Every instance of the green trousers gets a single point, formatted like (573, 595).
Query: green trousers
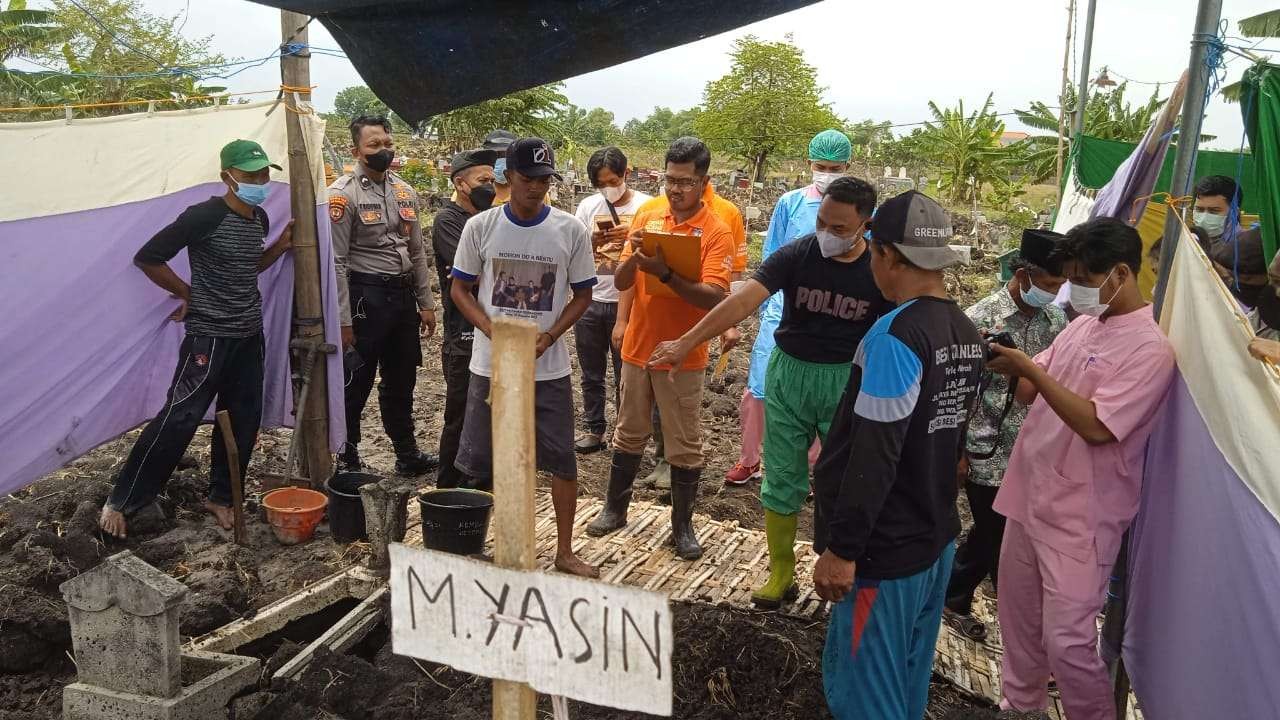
(800, 400)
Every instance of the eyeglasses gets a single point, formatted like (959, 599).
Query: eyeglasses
(682, 183)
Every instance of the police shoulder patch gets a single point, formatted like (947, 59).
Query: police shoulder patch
(337, 207)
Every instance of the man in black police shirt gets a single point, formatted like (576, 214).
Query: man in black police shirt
(471, 172)
(830, 302)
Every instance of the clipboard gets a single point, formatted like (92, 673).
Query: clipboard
(683, 254)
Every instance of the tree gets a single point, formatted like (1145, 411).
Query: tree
(351, 102)
(23, 32)
(120, 52)
(527, 112)
(966, 147)
(868, 132)
(1106, 116)
(662, 126)
(769, 103)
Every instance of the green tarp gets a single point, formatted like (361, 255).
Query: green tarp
(1260, 106)
(1096, 161)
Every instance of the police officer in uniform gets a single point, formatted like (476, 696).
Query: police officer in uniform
(384, 292)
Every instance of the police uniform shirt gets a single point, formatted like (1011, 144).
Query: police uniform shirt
(376, 231)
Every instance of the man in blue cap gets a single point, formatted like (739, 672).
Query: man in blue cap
(795, 216)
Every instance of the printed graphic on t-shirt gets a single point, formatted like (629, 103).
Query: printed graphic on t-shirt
(523, 285)
(951, 403)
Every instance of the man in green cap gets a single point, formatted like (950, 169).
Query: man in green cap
(794, 216)
(222, 353)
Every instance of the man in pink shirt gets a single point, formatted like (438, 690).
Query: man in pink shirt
(1073, 481)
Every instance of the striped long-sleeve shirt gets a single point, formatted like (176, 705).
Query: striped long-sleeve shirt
(223, 248)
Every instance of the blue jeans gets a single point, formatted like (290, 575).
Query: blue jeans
(880, 642)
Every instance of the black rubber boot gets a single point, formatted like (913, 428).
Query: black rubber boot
(410, 461)
(349, 459)
(684, 492)
(613, 516)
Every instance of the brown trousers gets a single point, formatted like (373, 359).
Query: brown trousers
(678, 400)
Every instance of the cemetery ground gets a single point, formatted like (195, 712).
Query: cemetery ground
(727, 662)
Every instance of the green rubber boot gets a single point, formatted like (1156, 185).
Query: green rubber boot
(780, 532)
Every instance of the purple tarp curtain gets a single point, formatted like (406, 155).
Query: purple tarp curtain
(88, 351)
(1203, 625)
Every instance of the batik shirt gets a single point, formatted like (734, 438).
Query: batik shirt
(998, 313)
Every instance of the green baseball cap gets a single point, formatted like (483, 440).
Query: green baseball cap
(245, 155)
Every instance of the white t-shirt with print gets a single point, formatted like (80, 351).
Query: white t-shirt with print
(525, 270)
(593, 210)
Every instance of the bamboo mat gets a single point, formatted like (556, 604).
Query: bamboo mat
(734, 562)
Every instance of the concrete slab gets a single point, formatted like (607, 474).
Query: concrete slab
(214, 679)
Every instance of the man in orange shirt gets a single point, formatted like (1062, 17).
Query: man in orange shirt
(654, 317)
(732, 218)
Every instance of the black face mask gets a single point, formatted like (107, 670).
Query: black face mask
(380, 161)
(482, 196)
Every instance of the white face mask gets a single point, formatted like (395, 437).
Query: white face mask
(832, 245)
(1211, 223)
(1035, 297)
(614, 194)
(1088, 300)
(821, 180)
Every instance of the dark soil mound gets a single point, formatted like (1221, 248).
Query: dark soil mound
(728, 663)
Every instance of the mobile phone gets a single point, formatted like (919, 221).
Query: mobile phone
(605, 225)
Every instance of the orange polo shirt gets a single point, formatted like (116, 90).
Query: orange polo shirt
(657, 318)
(728, 213)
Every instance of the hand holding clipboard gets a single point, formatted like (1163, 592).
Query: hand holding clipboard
(658, 252)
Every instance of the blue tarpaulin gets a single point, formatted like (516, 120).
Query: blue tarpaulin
(431, 56)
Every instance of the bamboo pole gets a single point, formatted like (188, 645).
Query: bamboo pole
(308, 307)
(511, 403)
(1062, 91)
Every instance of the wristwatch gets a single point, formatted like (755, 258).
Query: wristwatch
(666, 276)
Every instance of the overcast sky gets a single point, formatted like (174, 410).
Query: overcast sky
(881, 61)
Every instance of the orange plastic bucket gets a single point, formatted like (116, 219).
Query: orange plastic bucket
(294, 513)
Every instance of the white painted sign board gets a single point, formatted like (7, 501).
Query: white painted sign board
(588, 640)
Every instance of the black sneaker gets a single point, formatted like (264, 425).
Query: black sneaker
(349, 459)
(416, 462)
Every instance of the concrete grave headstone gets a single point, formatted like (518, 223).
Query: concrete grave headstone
(124, 616)
(124, 628)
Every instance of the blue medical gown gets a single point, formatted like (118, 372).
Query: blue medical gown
(795, 215)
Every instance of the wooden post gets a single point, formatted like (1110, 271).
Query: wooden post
(511, 403)
(1062, 92)
(237, 482)
(308, 308)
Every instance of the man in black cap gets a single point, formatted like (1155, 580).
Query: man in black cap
(471, 172)
(544, 255)
(498, 141)
(1024, 309)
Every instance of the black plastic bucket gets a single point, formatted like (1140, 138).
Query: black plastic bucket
(455, 520)
(346, 507)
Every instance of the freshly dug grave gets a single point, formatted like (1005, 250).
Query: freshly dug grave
(727, 663)
(48, 531)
